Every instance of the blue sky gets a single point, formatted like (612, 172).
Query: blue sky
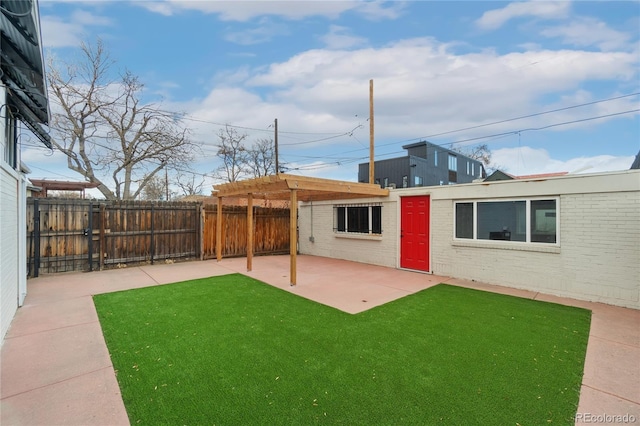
(438, 67)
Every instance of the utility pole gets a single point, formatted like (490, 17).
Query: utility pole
(371, 139)
(275, 139)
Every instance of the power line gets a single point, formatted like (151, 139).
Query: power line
(565, 123)
(525, 116)
(513, 132)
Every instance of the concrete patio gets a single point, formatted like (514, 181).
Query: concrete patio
(55, 366)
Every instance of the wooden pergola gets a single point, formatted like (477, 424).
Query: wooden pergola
(60, 185)
(288, 187)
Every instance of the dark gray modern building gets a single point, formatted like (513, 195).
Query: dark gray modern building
(426, 164)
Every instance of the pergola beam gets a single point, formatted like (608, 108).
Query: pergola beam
(278, 186)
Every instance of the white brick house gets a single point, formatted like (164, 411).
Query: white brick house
(576, 236)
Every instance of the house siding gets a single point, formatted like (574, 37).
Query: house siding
(597, 258)
(24, 71)
(421, 162)
(8, 247)
(8, 234)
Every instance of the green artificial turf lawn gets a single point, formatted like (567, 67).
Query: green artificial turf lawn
(231, 350)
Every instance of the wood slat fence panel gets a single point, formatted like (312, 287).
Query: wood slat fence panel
(150, 231)
(59, 234)
(271, 231)
(81, 235)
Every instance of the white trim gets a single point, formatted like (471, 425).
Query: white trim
(527, 241)
(507, 245)
(356, 236)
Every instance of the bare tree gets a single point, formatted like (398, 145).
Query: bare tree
(233, 153)
(105, 130)
(64, 194)
(155, 189)
(189, 183)
(261, 158)
(481, 153)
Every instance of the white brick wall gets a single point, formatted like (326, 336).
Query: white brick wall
(377, 250)
(597, 259)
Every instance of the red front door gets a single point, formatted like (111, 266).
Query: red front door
(414, 233)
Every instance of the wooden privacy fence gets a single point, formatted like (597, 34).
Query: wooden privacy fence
(82, 235)
(271, 231)
(148, 231)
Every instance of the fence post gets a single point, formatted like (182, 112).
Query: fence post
(101, 240)
(36, 237)
(200, 218)
(152, 245)
(90, 236)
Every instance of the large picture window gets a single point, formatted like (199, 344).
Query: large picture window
(530, 221)
(358, 218)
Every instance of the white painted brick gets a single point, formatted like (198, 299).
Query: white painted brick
(598, 258)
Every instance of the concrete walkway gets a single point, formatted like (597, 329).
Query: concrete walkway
(55, 367)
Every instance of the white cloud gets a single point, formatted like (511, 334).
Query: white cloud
(494, 19)
(585, 32)
(340, 38)
(526, 160)
(378, 10)
(264, 32)
(65, 32)
(421, 87)
(291, 9)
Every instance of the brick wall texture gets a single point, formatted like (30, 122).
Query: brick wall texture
(597, 258)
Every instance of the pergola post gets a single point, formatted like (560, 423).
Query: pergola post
(282, 186)
(249, 231)
(293, 235)
(219, 230)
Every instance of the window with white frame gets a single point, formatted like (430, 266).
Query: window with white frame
(358, 218)
(523, 220)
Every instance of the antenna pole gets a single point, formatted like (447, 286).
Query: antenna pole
(275, 123)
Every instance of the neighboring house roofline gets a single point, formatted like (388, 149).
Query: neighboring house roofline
(416, 144)
(500, 175)
(636, 163)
